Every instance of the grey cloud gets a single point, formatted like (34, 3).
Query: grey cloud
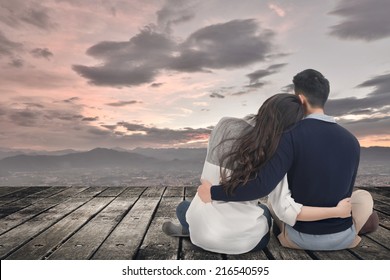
(128, 63)
(228, 45)
(174, 12)
(370, 126)
(216, 95)
(288, 88)
(155, 85)
(243, 92)
(90, 119)
(72, 99)
(16, 62)
(123, 103)
(362, 19)
(232, 44)
(256, 85)
(97, 131)
(376, 104)
(109, 127)
(34, 105)
(258, 74)
(376, 100)
(8, 47)
(41, 52)
(25, 117)
(164, 135)
(15, 12)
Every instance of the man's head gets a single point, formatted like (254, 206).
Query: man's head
(312, 87)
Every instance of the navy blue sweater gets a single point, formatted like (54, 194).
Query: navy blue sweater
(321, 160)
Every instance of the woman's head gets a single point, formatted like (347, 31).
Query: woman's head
(278, 113)
(255, 147)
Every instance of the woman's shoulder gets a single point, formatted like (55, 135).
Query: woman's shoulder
(232, 121)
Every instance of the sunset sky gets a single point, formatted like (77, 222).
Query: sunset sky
(82, 74)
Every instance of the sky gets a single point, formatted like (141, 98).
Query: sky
(80, 74)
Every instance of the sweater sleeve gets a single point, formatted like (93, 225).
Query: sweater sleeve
(267, 177)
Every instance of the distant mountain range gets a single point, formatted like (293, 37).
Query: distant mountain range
(151, 159)
(140, 158)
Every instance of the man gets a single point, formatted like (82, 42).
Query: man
(321, 160)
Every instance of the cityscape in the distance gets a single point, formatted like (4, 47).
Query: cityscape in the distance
(140, 167)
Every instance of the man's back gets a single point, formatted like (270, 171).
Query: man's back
(323, 171)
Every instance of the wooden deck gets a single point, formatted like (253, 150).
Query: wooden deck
(125, 223)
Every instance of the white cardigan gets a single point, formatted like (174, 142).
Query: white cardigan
(233, 227)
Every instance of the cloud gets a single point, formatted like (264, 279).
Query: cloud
(288, 88)
(216, 95)
(369, 126)
(277, 9)
(16, 13)
(258, 74)
(365, 116)
(374, 101)
(156, 85)
(140, 60)
(123, 103)
(8, 47)
(16, 62)
(72, 99)
(90, 119)
(233, 44)
(164, 136)
(366, 20)
(41, 53)
(174, 12)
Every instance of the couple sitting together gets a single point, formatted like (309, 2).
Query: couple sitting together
(297, 156)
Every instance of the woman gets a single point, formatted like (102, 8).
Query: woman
(237, 149)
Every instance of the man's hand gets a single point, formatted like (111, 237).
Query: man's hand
(204, 191)
(344, 208)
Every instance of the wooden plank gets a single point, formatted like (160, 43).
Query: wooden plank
(192, 252)
(333, 255)
(88, 239)
(153, 191)
(8, 190)
(384, 220)
(132, 191)
(382, 207)
(112, 191)
(125, 239)
(190, 192)
(91, 192)
(23, 215)
(381, 236)
(65, 194)
(17, 205)
(47, 192)
(281, 253)
(157, 245)
(174, 192)
(55, 235)
(11, 197)
(21, 234)
(258, 255)
(370, 250)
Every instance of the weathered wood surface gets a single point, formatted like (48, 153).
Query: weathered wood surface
(125, 223)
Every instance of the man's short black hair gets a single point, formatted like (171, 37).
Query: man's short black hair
(313, 85)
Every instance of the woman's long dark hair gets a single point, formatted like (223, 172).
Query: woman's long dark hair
(256, 146)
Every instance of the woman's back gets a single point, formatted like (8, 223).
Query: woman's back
(225, 227)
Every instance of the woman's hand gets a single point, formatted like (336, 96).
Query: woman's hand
(344, 208)
(204, 191)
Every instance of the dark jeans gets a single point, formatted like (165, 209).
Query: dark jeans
(182, 208)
